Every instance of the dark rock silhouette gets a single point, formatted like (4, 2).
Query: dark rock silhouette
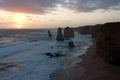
(58, 54)
(54, 54)
(51, 47)
(59, 35)
(50, 54)
(71, 44)
(91, 29)
(49, 33)
(107, 41)
(68, 32)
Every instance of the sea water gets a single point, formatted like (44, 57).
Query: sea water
(23, 53)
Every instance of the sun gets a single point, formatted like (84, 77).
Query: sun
(19, 20)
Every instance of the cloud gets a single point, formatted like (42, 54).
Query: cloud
(46, 6)
(29, 6)
(91, 5)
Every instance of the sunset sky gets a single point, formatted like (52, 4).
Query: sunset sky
(57, 13)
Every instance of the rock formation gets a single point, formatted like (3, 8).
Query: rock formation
(71, 44)
(108, 42)
(88, 29)
(49, 33)
(59, 35)
(68, 32)
(54, 54)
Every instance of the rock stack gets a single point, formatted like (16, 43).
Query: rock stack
(68, 32)
(71, 44)
(59, 35)
(49, 33)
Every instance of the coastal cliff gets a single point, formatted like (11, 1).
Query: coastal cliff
(107, 40)
(91, 29)
(104, 54)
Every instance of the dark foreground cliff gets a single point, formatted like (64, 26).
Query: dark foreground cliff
(107, 41)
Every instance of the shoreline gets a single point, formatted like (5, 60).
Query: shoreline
(92, 67)
(97, 68)
(69, 72)
(72, 70)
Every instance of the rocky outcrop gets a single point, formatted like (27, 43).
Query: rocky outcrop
(54, 54)
(68, 32)
(107, 41)
(71, 44)
(59, 35)
(49, 33)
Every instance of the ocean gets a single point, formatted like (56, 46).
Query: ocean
(23, 53)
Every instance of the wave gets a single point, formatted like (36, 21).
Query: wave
(28, 56)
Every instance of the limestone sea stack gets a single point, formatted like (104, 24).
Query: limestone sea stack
(71, 44)
(59, 35)
(49, 33)
(68, 32)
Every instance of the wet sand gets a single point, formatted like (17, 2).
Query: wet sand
(92, 67)
(70, 71)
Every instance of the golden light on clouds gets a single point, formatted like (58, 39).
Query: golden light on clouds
(19, 20)
(62, 17)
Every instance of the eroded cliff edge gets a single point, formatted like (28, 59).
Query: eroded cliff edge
(107, 40)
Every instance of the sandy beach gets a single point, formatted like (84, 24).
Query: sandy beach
(92, 67)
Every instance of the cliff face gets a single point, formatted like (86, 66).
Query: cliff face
(88, 29)
(107, 41)
(68, 32)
